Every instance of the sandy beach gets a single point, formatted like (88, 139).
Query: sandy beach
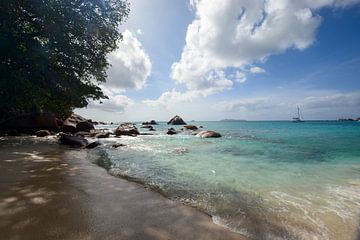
(52, 193)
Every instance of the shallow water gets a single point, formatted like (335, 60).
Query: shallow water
(268, 180)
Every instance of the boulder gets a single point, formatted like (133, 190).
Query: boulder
(93, 145)
(30, 122)
(171, 131)
(176, 121)
(103, 135)
(208, 134)
(69, 126)
(76, 123)
(46, 120)
(127, 129)
(85, 134)
(73, 141)
(42, 133)
(59, 122)
(191, 127)
(84, 126)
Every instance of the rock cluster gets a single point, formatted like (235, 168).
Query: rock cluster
(152, 122)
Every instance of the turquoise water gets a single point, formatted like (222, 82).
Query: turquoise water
(267, 180)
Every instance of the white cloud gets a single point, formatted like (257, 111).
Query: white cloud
(170, 98)
(130, 68)
(131, 65)
(336, 100)
(116, 102)
(239, 77)
(257, 70)
(235, 33)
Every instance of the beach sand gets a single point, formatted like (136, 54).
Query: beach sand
(52, 193)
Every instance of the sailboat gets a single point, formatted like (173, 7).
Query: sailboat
(299, 117)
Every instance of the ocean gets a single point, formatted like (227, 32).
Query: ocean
(266, 180)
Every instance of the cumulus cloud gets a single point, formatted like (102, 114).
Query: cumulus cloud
(239, 77)
(337, 100)
(257, 70)
(130, 65)
(235, 33)
(116, 102)
(170, 98)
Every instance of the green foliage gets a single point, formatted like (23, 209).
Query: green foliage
(53, 52)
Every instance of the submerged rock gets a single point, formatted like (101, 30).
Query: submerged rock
(181, 150)
(149, 127)
(171, 131)
(176, 121)
(42, 133)
(208, 134)
(191, 127)
(118, 145)
(127, 129)
(73, 141)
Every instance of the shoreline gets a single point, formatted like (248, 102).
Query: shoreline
(51, 192)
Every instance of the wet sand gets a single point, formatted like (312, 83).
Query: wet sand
(55, 194)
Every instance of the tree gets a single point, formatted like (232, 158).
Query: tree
(53, 52)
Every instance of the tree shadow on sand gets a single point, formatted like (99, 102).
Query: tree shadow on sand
(58, 195)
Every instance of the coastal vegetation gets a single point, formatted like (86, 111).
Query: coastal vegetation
(54, 53)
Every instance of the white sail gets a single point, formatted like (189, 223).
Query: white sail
(299, 117)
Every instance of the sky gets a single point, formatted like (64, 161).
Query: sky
(238, 59)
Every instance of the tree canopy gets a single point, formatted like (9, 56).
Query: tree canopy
(53, 52)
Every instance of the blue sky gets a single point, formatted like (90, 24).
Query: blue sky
(254, 60)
